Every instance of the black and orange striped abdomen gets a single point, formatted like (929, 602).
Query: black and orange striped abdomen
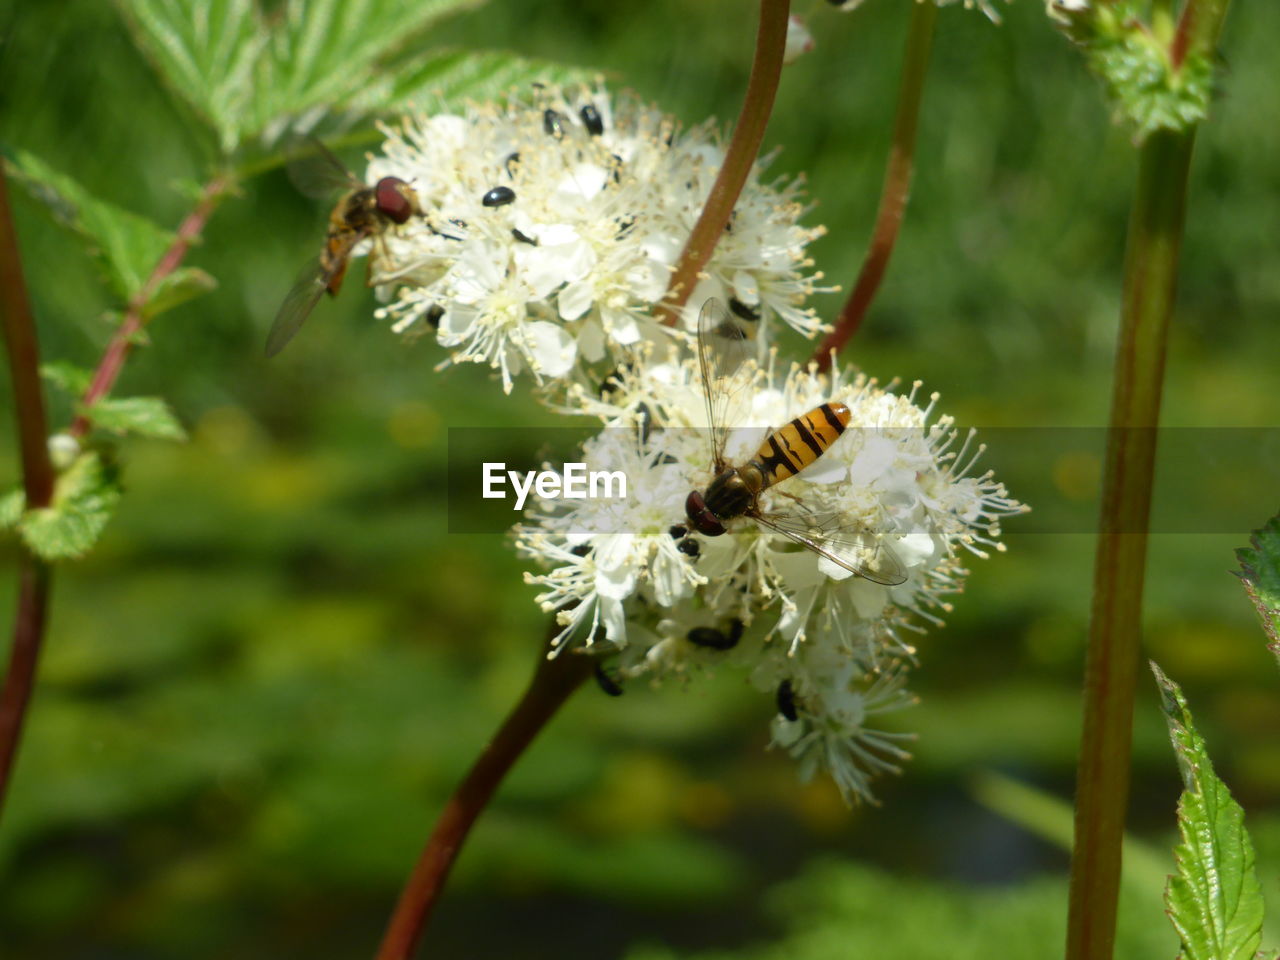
(791, 448)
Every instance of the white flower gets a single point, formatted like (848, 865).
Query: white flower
(1064, 10)
(984, 5)
(799, 40)
(669, 602)
(551, 228)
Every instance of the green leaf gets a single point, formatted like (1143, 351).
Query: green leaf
(125, 244)
(324, 53)
(67, 377)
(185, 283)
(11, 507)
(1214, 900)
(1260, 571)
(146, 416)
(206, 52)
(83, 499)
(452, 77)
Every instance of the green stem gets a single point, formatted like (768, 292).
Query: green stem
(1112, 662)
(897, 184)
(23, 352)
(762, 89)
(1198, 29)
(553, 681)
(1162, 20)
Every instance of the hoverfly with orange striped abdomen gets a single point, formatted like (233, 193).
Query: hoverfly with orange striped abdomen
(362, 213)
(735, 491)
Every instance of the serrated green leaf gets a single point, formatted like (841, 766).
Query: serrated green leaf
(83, 499)
(451, 77)
(126, 245)
(323, 53)
(185, 283)
(206, 51)
(67, 377)
(145, 416)
(1260, 571)
(1214, 900)
(11, 507)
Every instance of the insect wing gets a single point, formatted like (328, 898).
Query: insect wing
(298, 304)
(315, 171)
(722, 348)
(859, 551)
(308, 288)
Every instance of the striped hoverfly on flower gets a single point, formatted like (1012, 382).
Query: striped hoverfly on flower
(363, 212)
(735, 490)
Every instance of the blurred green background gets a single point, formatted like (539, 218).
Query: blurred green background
(260, 687)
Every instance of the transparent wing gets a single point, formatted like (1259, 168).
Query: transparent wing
(722, 348)
(315, 171)
(307, 289)
(857, 550)
(298, 304)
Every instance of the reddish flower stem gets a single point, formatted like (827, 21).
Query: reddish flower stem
(553, 681)
(126, 335)
(24, 362)
(28, 633)
(897, 184)
(23, 353)
(762, 89)
(1115, 627)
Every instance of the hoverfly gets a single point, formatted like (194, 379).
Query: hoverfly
(735, 490)
(362, 212)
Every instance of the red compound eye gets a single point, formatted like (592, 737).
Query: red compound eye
(392, 197)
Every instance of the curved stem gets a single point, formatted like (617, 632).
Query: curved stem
(24, 363)
(552, 683)
(126, 335)
(897, 184)
(37, 478)
(28, 632)
(762, 89)
(1112, 662)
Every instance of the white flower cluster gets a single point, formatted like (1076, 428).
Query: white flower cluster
(670, 602)
(548, 231)
(551, 229)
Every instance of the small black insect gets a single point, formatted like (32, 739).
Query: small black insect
(689, 547)
(523, 237)
(787, 701)
(552, 123)
(592, 120)
(433, 316)
(678, 531)
(717, 639)
(645, 417)
(607, 683)
(498, 197)
(511, 158)
(743, 311)
(625, 224)
(581, 550)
